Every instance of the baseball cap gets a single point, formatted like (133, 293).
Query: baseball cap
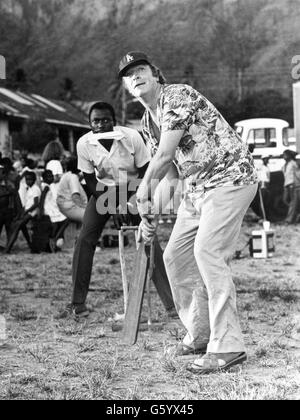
(130, 59)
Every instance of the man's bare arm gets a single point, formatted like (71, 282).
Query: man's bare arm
(91, 183)
(160, 164)
(165, 190)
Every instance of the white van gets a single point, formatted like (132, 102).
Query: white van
(269, 136)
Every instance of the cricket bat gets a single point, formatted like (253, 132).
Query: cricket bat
(135, 297)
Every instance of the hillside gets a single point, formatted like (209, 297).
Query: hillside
(227, 49)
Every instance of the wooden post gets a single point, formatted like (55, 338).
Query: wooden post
(2, 67)
(296, 99)
(240, 85)
(71, 141)
(5, 143)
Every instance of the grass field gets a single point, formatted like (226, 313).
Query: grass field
(45, 358)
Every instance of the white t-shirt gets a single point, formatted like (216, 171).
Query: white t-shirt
(30, 194)
(50, 207)
(119, 165)
(55, 167)
(23, 185)
(69, 185)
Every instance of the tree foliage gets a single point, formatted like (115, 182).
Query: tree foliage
(267, 103)
(226, 49)
(34, 138)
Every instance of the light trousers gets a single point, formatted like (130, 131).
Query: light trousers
(73, 212)
(197, 262)
(292, 199)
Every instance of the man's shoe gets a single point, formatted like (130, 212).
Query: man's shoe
(216, 362)
(74, 310)
(80, 310)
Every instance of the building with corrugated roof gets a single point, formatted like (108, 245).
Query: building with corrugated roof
(18, 108)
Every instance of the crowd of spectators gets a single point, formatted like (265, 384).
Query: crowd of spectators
(278, 196)
(40, 198)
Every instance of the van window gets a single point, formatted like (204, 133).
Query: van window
(285, 137)
(289, 137)
(262, 137)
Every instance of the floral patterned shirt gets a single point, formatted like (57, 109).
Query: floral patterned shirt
(210, 153)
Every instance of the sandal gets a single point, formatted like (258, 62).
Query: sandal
(211, 363)
(184, 350)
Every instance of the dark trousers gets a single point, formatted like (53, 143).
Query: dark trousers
(58, 229)
(5, 221)
(92, 227)
(20, 225)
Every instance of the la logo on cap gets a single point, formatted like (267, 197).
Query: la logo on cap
(129, 57)
(2, 67)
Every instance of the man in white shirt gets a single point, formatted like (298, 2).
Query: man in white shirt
(110, 158)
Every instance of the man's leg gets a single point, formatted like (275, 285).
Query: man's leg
(187, 286)
(92, 227)
(222, 212)
(60, 229)
(20, 225)
(26, 233)
(8, 227)
(292, 210)
(13, 237)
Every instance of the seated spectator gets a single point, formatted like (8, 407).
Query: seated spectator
(30, 166)
(71, 197)
(48, 207)
(28, 212)
(52, 156)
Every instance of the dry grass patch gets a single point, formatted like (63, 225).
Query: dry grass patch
(86, 359)
(237, 386)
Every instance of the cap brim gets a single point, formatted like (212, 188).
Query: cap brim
(135, 63)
